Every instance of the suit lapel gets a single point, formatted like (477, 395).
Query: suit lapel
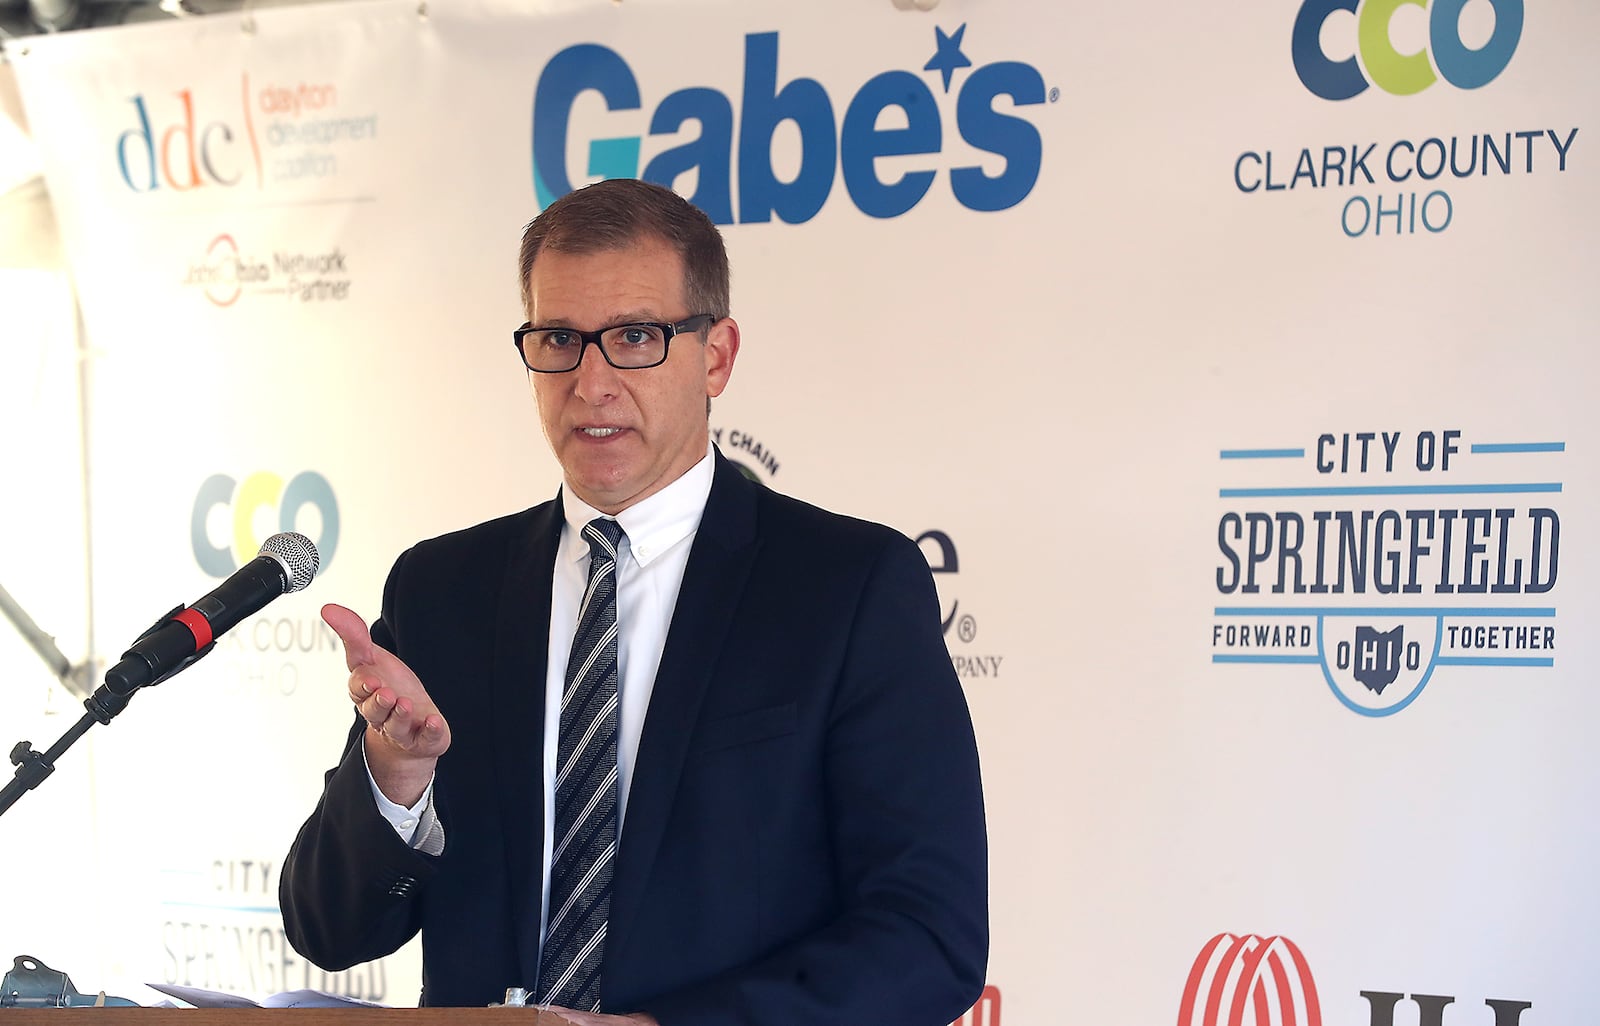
(713, 580)
(522, 636)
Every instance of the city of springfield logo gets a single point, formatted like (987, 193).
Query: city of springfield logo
(957, 92)
(1402, 187)
(1383, 557)
(221, 930)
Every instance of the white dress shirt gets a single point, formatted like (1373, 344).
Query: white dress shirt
(659, 532)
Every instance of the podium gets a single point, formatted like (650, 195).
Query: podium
(282, 1017)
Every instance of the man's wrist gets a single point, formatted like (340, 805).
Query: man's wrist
(404, 779)
(404, 816)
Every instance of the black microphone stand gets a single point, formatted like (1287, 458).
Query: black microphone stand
(75, 678)
(105, 703)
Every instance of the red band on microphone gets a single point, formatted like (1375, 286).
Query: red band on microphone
(198, 626)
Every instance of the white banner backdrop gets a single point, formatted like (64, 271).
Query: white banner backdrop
(1245, 428)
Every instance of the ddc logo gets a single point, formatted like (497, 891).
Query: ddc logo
(827, 146)
(184, 154)
(258, 492)
(1394, 72)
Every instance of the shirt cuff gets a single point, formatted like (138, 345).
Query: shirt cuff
(417, 825)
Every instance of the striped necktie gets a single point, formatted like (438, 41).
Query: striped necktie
(586, 790)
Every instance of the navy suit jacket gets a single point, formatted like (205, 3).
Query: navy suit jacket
(804, 839)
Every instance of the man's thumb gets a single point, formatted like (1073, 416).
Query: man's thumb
(352, 630)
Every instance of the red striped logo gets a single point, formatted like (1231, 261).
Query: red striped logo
(1250, 981)
(986, 1012)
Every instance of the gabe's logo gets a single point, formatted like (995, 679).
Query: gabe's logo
(853, 145)
(1262, 980)
(1385, 66)
(258, 497)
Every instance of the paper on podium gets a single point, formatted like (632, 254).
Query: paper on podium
(321, 999)
(287, 999)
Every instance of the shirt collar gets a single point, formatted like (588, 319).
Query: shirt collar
(654, 524)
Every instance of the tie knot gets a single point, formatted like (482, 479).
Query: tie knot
(602, 535)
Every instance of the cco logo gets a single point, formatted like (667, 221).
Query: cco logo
(852, 146)
(1390, 70)
(261, 492)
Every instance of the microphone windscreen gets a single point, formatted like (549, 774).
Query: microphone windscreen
(296, 554)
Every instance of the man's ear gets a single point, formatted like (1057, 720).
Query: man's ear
(722, 348)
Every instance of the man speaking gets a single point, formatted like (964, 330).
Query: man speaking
(670, 747)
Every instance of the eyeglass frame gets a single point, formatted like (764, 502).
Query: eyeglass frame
(592, 338)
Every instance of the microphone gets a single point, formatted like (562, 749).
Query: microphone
(287, 563)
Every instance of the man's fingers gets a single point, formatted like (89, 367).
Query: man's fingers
(377, 707)
(434, 735)
(398, 721)
(386, 693)
(362, 685)
(421, 735)
(352, 630)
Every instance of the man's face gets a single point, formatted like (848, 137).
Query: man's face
(623, 435)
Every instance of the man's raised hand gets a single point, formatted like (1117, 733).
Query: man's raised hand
(406, 734)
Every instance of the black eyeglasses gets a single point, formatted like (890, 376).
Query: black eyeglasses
(633, 346)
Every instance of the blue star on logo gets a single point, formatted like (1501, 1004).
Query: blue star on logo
(948, 56)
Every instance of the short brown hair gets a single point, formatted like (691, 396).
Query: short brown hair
(615, 213)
